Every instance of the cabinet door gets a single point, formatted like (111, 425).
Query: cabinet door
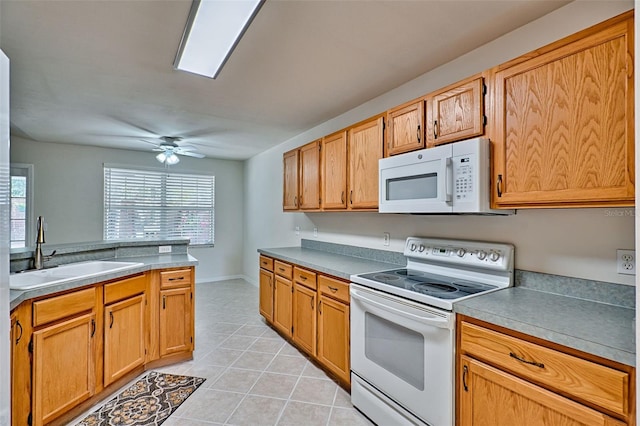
(310, 176)
(63, 367)
(365, 149)
(564, 131)
(334, 171)
(175, 321)
(456, 113)
(123, 337)
(304, 318)
(333, 336)
(290, 180)
(488, 396)
(405, 128)
(266, 294)
(282, 305)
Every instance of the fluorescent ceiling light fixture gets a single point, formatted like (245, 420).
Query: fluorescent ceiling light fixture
(213, 30)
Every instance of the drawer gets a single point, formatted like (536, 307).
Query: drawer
(175, 278)
(58, 307)
(304, 277)
(283, 269)
(124, 289)
(334, 288)
(266, 263)
(568, 374)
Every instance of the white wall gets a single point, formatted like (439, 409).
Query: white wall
(572, 242)
(69, 194)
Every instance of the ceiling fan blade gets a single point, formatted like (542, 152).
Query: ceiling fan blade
(149, 142)
(187, 147)
(190, 154)
(159, 149)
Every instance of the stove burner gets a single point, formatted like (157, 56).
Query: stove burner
(385, 277)
(434, 288)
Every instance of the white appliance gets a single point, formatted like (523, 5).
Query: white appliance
(452, 178)
(403, 327)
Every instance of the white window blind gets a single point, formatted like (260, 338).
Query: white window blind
(151, 204)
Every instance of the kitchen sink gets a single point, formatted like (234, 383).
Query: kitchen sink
(72, 271)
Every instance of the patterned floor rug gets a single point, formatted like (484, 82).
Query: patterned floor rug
(149, 401)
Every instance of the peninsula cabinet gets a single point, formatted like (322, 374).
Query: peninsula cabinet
(176, 311)
(20, 364)
(365, 146)
(309, 185)
(456, 112)
(507, 378)
(564, 122)
(290, 180)
(334, 171)
(405, 128)
(266, 288)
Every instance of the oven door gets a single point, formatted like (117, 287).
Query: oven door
(405, 351)
(417, 182)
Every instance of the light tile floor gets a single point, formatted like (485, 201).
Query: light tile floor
(254, 377)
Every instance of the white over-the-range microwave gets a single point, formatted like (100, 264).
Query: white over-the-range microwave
(446, 179)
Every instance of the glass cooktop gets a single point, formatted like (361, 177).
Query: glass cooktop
(428, 284)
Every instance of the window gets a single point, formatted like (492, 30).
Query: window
(21, 214)
(154, 204)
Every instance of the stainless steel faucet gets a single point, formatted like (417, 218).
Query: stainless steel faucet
(38, 257)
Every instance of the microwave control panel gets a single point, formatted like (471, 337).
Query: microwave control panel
(463, 177)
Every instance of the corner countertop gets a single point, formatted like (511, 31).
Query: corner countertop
(336, 264)
(149, 263)
(597, 328)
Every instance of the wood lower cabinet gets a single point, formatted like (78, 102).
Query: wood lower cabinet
(175, 321)
(456, 112)
(405, 128)
(304, 318)
(282, 305)
(564, 122)
(334, 327)
(266, 293)
(334, 171)
(20, 365)
(365, 146)
(513, 379)
(64, 357)
(124, 337)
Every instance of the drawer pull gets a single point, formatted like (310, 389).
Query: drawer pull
(537, 364)
(177, 279)
(281, 269)
(303, 278)
(20, 335)
(333, 289)
(465, 371)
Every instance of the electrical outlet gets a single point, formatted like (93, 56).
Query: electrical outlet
(297, 230)
(626, 261)
(164, 249)
(387, 238)
(315, 231)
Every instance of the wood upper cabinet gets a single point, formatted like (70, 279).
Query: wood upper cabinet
(124, 337)
(290, 180)
(456, 112)
(309, 157)
(405, 128)
(334, 171)
(564, 122)
(507, 378)
(64, 357)
(365, 144)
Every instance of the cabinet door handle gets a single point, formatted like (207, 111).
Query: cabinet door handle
(537, 364)
(177, 279)
(295, 201)
(20, 335)
(111, 318)
(342, 197)
(311, 300)
(164, 302)
(333, 289)
(93, 327)
(320, 307)
(465, 371)
(269, 281)
(418, 133)
(351, 196)
(499, 186)
(435, 129)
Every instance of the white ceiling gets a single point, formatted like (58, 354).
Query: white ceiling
(100, 72)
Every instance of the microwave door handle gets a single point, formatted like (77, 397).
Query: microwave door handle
(448, 180)
(440, 323)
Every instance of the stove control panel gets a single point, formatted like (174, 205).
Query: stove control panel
(486, 255)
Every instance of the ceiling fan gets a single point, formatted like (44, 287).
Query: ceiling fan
(169, 150)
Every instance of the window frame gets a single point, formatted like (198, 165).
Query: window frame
(165, 173)
(27, 170)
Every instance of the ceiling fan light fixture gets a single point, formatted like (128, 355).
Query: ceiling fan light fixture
(213, 30)
(172, 159)
(161, 157)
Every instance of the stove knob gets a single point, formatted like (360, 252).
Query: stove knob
(412, 247)
(481, 254)
(421, 248)
(461, 252)
(494, 256)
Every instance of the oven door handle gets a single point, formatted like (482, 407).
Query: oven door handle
(440, 323)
